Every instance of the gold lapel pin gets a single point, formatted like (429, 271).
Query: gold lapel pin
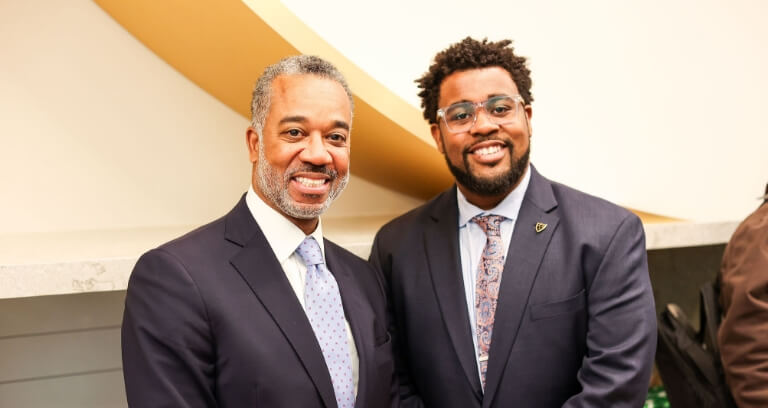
(540, 226)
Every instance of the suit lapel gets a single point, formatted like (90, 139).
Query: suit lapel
(441, 240)
(526, 251)
(356, 310)
(258, 266)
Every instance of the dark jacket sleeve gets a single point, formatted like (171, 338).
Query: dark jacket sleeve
(743, 333)
(380, 259)
(621, 335)
(166, 339)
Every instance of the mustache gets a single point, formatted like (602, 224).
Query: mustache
(311, 168)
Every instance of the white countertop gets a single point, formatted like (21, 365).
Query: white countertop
(55, 263)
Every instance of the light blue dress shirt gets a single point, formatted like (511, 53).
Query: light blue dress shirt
(472, 241)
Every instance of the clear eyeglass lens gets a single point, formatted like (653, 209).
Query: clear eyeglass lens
(461, 116)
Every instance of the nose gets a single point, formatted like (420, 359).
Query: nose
(483, 124)
(315, 151)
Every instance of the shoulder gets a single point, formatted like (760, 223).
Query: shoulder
(748, 244)
(189, 255)
(753, 227)
(589, 222)
(589, 205)
(588, 211)
(198, 242)
(415, 219)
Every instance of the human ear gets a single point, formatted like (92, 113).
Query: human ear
(252, 140)
(435, 130)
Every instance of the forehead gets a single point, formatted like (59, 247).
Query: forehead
(476, 85)
(308, 95)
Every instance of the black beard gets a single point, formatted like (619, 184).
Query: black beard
(501, 184)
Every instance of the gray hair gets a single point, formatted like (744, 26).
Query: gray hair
(295, 65)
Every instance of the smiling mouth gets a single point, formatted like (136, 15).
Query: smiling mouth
(311, 182)
(484, 151)
(488, 151)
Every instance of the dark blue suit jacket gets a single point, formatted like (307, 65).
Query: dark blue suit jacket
(575, 324)
(211, 321)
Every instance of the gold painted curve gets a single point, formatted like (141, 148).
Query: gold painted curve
(223, 46)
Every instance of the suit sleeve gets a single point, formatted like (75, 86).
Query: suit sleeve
(167, 345)
(621, 335)
(743, 334)
(382, 263)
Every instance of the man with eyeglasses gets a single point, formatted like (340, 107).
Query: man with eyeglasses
(509, 289)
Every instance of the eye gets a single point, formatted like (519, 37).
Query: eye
(500, 109)
(460, 116)
(460, 112)
(337, 137)
(500, 106)
(293, 132)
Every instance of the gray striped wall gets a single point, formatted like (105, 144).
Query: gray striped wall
(61, 351)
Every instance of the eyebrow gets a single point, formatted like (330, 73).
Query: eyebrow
(341, 124)
(493, 95)
(301, 119)
(289, 119)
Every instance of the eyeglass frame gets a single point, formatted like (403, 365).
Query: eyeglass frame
(476, 105)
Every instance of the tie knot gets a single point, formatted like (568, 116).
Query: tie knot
(309, 251)
(491, 224)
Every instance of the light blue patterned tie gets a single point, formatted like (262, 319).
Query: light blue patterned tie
(322, 303)
(487, 285)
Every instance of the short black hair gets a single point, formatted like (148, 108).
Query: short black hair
(472, 54)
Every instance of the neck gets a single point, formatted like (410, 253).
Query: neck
(485, 202)
(308, 226)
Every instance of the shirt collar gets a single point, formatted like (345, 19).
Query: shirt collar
(509, 207)
(281, 234)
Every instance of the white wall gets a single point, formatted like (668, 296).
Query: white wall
(659, 106)
(97, 132)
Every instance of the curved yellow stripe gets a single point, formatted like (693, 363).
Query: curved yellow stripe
(223, 46)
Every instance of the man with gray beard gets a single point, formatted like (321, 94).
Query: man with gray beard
(257, 308)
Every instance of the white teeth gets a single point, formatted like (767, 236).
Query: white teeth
(488, 150)
(310, 182)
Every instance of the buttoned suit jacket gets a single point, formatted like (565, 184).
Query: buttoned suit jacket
(575, 324)
(212, 321)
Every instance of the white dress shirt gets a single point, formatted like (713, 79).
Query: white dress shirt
(472, 241)
(284, 237)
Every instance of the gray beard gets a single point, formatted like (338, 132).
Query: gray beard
(274, 186)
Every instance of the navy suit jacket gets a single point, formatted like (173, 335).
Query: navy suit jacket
(211, 321)
(575, 324)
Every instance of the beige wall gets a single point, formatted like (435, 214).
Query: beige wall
(657, 105)
(99, 133)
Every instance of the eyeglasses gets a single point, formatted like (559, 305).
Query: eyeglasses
(501, 110)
